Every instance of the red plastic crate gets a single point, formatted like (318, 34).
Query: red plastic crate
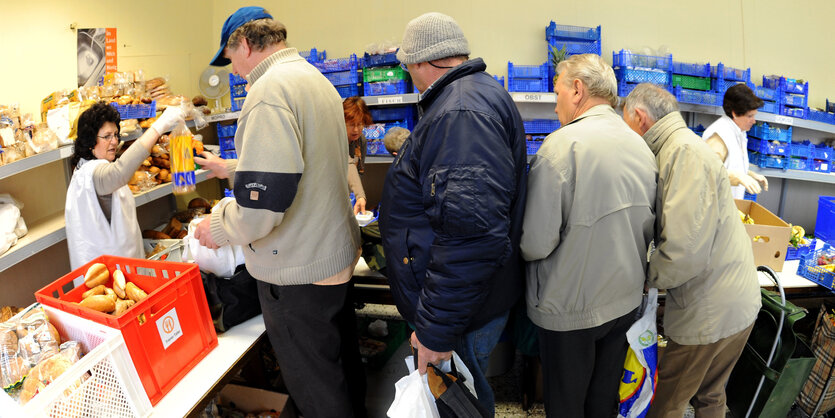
(175, 297)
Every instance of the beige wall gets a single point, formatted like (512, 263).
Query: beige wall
(177, 38)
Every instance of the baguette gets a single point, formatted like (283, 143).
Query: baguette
(97, 274)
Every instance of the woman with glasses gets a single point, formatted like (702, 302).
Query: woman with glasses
(357, 117)
(100, 211)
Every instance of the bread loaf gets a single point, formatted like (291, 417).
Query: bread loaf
(151, 234)
(101, 303)
(97, 274)
(98, 290)
(122, 306)
(119, 283)
(134, 292)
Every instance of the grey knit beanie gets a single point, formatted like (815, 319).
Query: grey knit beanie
(432, 36)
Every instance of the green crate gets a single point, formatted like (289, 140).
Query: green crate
(690, 82)
(375, 74)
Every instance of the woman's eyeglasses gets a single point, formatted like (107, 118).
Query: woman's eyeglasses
(108, 137)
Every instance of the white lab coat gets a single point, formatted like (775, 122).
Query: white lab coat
(89, 234)
(736, 143)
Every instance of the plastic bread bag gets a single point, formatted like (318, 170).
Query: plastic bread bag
(37, 338)
(44, 373)
(13, 368)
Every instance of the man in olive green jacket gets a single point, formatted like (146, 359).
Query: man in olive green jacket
(703, 258)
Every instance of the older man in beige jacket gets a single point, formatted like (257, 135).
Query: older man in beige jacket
(703, 259)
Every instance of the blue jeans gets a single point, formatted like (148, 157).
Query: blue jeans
(474, 349)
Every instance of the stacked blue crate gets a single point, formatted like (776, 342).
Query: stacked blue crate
(541, 126)
(343, 73)
(575, 40)
(820, 116)
(381, 88)
(722, 77)
(792, 95)
(312, 55)
(532, 78)
(769, 97)
(633, 69)
(534, 143)
(695, 84)
(770, 147)
(237, 91)
(226, 140)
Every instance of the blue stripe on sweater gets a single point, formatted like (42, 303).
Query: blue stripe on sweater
(271, 191)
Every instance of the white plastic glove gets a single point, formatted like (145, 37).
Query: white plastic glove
(169, 119)
(760, 178)
(741, 179)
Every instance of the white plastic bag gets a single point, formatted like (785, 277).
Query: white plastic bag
(9, 219)
(220, 262)
(637, 385)
(413, 399)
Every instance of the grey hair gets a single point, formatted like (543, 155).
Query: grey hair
(394, 138)
(654, 100)
(596, 74)
(259, 34)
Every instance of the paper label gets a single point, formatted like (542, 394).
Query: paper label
(390, 100)
(169, 328)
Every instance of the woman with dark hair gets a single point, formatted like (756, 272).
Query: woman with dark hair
(727, 138)
(357, 117)
(100, 211)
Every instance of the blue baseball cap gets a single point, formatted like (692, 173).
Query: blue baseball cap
(236, 20)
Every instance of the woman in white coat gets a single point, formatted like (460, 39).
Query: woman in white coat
(100, 210)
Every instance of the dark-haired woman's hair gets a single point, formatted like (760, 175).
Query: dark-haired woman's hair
(89, 123)
(739, 100)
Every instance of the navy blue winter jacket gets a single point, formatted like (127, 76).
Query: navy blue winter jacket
(452, 207)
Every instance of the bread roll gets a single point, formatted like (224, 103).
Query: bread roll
(101, 303)
(97, 274)
(111, 294)
(98, 290)
(122, 306)
(119, 283)
(46, 371)
(151, 234)
(134, 292)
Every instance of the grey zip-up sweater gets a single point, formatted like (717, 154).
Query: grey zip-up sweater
(588, 222)
(291, 210)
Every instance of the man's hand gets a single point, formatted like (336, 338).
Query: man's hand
(426, 355)
(744, 180)
(359, 207)
(203, 233)
(214, 164)
(760, 178)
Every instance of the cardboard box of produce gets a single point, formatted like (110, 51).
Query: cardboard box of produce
(253, 401)
(769, 235)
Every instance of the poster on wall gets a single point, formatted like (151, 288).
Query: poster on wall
(96, 49)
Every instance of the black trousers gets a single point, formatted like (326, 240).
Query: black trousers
(313, 332)
(582, 369)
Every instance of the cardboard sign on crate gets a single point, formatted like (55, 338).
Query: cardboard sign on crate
(769, 235)
(167, 333)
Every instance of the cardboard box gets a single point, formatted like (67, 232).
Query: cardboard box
(769, 235)
(252, 400)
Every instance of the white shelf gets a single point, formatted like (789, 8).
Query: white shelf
(219, 117)
(40, 237)
(794, 174)
(532, 97)
(378, 159)
(36, 160)
(763, 117)
(394, 99)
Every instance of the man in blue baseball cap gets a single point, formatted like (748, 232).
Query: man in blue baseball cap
(292, 214)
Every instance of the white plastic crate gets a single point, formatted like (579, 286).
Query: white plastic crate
(111, 389)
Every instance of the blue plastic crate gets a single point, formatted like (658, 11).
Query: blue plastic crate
(625, 58)
(379, 60)
(728, 73)
(383, 114)
(821, 152)
(379, 130)
(697, 97)
(821, 166)
(766, 93)
(770, 107)
(527, 71)
(349, 90)
(808, 266)
(136, 111)
(226, 130)
(749, 196)
(312, 55)
(226, 143)
(235, 79)
(237, 90)
(499, 79)
(800, 150)
(573, 47)
(633, 75)
(800, 163)
(830, 106)
(698, 130)
(794, 100)
(533, 146)
(820, 116)
(786, 85)
(625, 88)
(338, 64)
(528, 84)
(769, 133)
(795, 253)
(341, 78)
(375, 147)
(382, 88)
(572, 32)
(768, 147)
(695, 70)
(541, 126)
(229, 155)
(825, 220)
(768, 161)
(795, 112)
(237, 103)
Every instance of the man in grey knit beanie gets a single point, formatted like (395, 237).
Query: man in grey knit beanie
(453, 202)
